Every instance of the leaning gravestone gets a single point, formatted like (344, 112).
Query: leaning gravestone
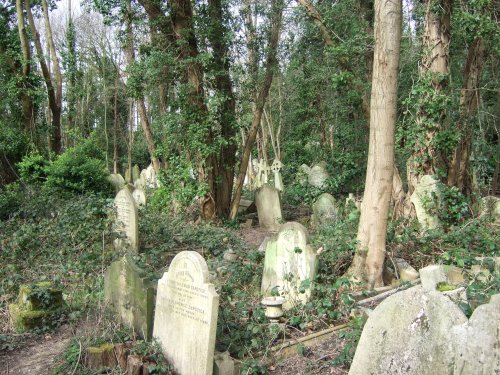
(139, 197)
(267, 200)
(186, 315)
(324, 210)
(289, 265)
(129, 293)
(126, 224)
(427, 199)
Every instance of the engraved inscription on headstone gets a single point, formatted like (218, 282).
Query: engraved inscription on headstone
(126, 220)
(186, 314)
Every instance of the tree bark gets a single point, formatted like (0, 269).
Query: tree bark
(369, 258)
(54, 97)
(436, 44)
(459, 171)
(318, 21)
(270, 65)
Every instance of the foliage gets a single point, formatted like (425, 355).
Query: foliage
(351, 338)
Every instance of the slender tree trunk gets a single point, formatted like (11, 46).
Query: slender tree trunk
(434, 67)
(369, 258)
(459, 173)
(318, 21)
(54, 97)
(115, 126)
(270, 66)
(141, 107)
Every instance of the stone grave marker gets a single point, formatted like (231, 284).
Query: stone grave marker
(289, 263)
(318, 175)
(131, 295)
(186, 315)
(324, 210)
(117, 181)
(267, 200)
(126, 223)
(427, 193)
(139, 197)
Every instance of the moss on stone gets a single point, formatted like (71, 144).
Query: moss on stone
(100, 349)
(445, 287)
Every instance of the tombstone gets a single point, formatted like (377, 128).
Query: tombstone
(290, 265)
(117, 181)
(186, 315)
(489, 207)
(126, 223)
(149, 177)
(131, 295)
(267, 200)
(426, 198)
(139, 197)
(324, 210)
(136, 171)
(303, 174)
(318, 175)
(276, 168)
(408, 333)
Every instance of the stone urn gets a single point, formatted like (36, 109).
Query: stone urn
(274, 308)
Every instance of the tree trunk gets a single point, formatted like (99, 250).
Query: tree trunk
(369, 258)
(271, 64)
(318, 21)
(54, 97)
(141, 107)
(115, 126)
(459, 174)
(434, 67)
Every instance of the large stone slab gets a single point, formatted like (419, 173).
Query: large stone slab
(126, 223)
(131, 295)
(409, 333)
(289, 265)
(268, 202)
(186, 315)
(427, 199)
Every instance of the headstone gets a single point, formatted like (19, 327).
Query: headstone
(408, 333)
(303, 174)
(117, 181)
(476, 343)
(405, 271)
(435, 274)
(136, 171)
(150, 177)
(318, 175)
(427, 199)
(131, 295)
(490, 207)
(186, 315)
(290, 265)
(126, 224)
(139, 197)
(223, 364)
(324, 210)
(267, 200)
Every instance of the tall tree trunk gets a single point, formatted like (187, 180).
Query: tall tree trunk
(369, 258)
(459, 174)
(270, 66)
(26, 101)
(115, 126)
(224, 161)
(141, 106)
(434, 67)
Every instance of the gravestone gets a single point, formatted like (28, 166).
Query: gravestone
(186, 315)
(290, 265)
(117, 181)
(427, 199)
(126, 223)
(318, 175)
(131, 295)
(324, 210)
(303, 174)
(267, 200)
(139, 197)
(136, 171)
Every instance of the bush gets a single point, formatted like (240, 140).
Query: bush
(32, 169)
(10, 200)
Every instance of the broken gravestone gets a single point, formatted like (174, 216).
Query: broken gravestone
(126, 222)
(267, 200)
(186, 315)
(318, 175)
(324, 210)
(37, 305)
(427, 200)
(408, 333)
(128, 292)
(289, 265)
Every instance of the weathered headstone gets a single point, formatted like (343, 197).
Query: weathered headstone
(131, 295)
(267, 200)
(324, 210)
(139, 197)
(117, 181)
(408, 333)
(136, 171)
(427, 199)
(149, 177)
(289, 265)
(303, 174)
(186, 315)
(318, 175)
(126, 224)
